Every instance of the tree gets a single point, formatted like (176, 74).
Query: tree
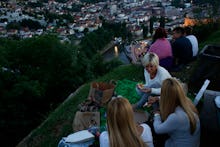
(162, 21)
(62, 1)
(31, 24)
(152, 24)
(38, 73)
(85, 31)
(178, 3)
(215, 4)
(35, 4)
(13, 25)
(76, 7)
(145, 31)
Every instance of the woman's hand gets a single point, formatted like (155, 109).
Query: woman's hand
(146, 90)
(152, 99)
(140, 86)
(143, 88)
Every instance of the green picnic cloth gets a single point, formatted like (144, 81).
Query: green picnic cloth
(125, 88)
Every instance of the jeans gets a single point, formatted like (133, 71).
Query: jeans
(144, 98)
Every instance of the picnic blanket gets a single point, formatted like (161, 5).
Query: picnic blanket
(126, 89)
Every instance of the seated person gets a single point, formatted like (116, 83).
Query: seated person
(178, 117)
(192, 38)
(154, 75)
(122, 129)
(181, 47)
(162, 47)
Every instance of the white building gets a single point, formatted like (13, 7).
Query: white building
(113, 9)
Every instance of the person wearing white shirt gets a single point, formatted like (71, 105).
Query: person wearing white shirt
(146, 136)
(122, 130)
(193, 40)
(154, 76)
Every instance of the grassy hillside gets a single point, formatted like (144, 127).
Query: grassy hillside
(212, 39)
(59, 122)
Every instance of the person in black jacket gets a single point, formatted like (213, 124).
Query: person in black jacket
(181, 48)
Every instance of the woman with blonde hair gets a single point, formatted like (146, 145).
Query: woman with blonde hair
(178, 116)
(154, 75)
(122, 129)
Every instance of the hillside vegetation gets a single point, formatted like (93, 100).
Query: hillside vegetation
(39, 72)
(59, 122)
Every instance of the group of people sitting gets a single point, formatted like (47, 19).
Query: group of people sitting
(173, 112)
(177, 52)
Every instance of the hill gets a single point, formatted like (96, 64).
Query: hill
(59, 122)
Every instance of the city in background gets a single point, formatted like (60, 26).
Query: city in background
(71, 18)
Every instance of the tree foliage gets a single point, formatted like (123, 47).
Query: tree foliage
(76, 7)
(13, 25)
(162, 21)
(41, 72)
(202, 29)
(145, 31)
(214, 3)
(178, 3)
(92, 1)
(152, 20)
(37, 74)
(31, 24)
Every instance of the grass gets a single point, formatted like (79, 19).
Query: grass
(59, 122)
(212, 39)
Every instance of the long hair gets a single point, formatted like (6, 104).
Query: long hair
(121, 125)
(172, 95)
(159, 33)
